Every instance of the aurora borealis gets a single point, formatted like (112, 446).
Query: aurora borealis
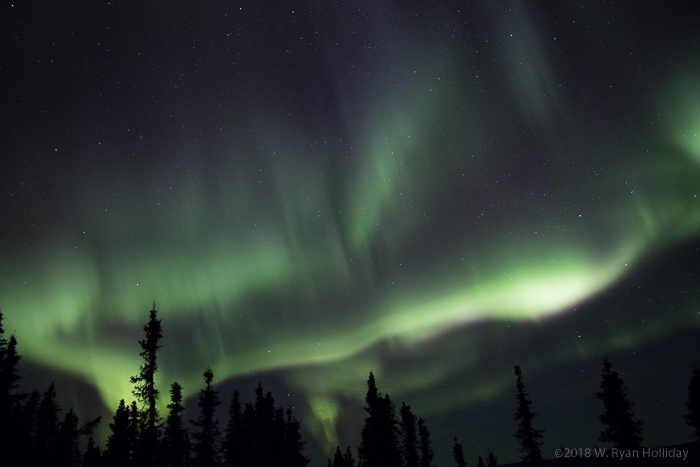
(313, 190)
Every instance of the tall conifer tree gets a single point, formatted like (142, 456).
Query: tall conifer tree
(426, 446)
(279, 431)
(47, 427)
(250, 448)
(176, 442)
(621, 428)
(134, 434)
(388, 432)
(293, 443)
(9, 372)
(378, 445)
(146, 392)
(349, 460)
(207, 437)
(458, 454)
(338, 459)
(92, 456)
(528, 437)
(493, 460)
(27, 428)
(10, 399)
(118, 451)
(233, 435)
(67, 452)
(264, 414)
(408, 436)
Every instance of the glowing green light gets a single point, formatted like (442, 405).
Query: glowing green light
(325, 414)
(279, 271)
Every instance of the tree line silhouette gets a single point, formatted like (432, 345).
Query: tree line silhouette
(257, 433)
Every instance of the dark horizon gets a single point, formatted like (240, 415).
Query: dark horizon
(587, 455)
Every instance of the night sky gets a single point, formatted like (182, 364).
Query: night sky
(310, 190)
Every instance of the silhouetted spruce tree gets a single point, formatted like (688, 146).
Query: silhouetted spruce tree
(176, 442)
(67, 452)
(233, 434)
(378, 445)
(426, 446)
(409, 444)
(135, 425)
(528, 437)
(9, 369)
(3, 341)
(263, 428)
(493, 460)
(458, 454)
(92, 456)
(250, 448)
(47, 427)
(9, 372)
(118, 450)
(692, 418)
(349, 460)
(207, 437)
(10, 399)
(622, 429)
(274, 431)
(338, 459)
(368, 444)
(146, 392)
(279, 431)
(87, 429)
(480, 463)
(27, 428)
(294, 443)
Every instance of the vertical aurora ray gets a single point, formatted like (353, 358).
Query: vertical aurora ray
(682, 117)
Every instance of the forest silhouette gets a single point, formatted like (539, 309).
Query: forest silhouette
(260, 434)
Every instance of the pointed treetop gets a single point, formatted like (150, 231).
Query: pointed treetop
(458, 454)
(621, 427)
(528, 437)
(372, 394)
(493, 460)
